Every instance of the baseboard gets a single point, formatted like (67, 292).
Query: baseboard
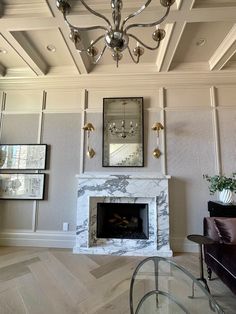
(183, 245)
(67, 240)
(38, 239)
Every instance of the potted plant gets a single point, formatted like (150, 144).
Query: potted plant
(225, 185)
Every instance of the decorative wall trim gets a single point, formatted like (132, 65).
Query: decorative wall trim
(163, 134)
(38, 239)
(84, 98)
(215, 125)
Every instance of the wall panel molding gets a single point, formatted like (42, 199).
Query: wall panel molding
(215, 125)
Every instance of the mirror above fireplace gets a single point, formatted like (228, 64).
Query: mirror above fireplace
(123, 132)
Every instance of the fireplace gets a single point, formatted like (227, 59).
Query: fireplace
(123, 215)
(122, 221)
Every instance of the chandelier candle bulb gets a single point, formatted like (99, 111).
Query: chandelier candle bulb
(116, 36)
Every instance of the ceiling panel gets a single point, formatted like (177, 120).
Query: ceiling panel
(190, 48)
(41, 40)
(29, 26)
(8, 56)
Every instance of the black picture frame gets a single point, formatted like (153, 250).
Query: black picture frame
(23, 156)
(22, 186)
(136, 143)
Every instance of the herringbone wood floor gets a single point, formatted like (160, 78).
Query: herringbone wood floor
(55, 281)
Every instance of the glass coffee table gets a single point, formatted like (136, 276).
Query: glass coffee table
(159, 285)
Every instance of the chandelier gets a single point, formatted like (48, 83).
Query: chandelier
(123, 131)
(116, 35)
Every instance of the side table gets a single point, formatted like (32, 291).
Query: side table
(217, 209)
(200, 240)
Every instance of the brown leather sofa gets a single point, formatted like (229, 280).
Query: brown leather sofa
(220, 257)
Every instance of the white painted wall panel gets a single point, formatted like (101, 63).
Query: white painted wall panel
(20, 129)
(186, 96)
(227, 121)
(63, 100)
(62, 133)
(95, 97)
(191, 149)
(24, 101)
(190, 154)
(16, 215)
(226, 96)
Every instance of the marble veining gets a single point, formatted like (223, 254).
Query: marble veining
(151, 190)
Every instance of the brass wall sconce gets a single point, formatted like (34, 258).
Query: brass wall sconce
(157, 127)
(88, 127)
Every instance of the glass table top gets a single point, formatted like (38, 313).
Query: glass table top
(159, 285)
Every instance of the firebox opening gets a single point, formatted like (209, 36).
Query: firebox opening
(122, 220)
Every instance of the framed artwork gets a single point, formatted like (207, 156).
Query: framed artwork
(123, 132)
(22, 186)
(23, 156)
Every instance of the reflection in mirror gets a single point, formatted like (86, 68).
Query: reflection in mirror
(123, 132)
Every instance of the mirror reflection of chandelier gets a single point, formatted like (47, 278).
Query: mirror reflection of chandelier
(116, 36)
(123, 131)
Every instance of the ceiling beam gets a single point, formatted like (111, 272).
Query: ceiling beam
(172, 45)
(26, 51)
(2, 70)
(175, 37)
(225, 51)
(81, 62)
(162, 50)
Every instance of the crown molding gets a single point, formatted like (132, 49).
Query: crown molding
(117, 81)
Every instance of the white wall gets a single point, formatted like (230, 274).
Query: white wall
(199, 137)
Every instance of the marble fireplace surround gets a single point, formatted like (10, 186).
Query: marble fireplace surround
(122, 188)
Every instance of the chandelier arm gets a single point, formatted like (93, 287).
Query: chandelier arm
(142, 43)
(143, 7)
(83, 28)
(132, 57)
(149, 24)
(101, 54)
(96, 13)
(92, 44)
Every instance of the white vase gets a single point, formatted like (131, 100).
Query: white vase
(226, 196)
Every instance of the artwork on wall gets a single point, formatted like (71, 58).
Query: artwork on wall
(24, 186)
(123, 132)
(23, 157)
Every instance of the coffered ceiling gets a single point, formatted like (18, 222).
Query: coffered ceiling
(34, 40)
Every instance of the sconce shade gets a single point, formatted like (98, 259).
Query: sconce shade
(157, 126)
(88, 127)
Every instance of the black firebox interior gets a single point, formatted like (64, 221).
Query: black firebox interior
(122, 220)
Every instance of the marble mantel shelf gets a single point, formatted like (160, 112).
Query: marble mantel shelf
(99, 175)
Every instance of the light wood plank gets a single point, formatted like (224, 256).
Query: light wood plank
(11, 302)
(35, 299)
(47, 282)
